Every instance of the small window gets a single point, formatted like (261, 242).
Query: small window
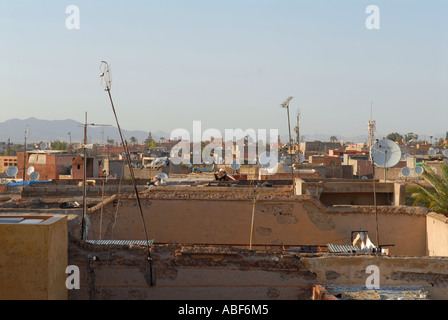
(79, 167)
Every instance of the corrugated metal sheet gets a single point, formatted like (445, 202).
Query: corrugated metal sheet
(120, 242)
(341, 248)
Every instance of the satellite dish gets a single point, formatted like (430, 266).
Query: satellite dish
(432, 152)
(30, 170)
(162, 176)
(445, 153)
(235, 165)
(132, 156)
(301, 158)
(43, 145)
(34, 176)
(419, 169)
(437, 150)
(406, 172)
(12, 171)
(265, 162)
(386, 153)
(364, 178)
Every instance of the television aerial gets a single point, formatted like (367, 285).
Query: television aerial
(419, 169)
(265, 162)
(406, 171)
(34, 176)
(12, 171)
(30, 170)
(235, 165)
(386, 153)
(162, 176)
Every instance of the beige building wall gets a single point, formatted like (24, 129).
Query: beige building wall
(33, 260)
(212, 273)
(437, 234)
(278, 220)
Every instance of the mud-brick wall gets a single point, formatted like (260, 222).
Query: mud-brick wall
(293, 221)
(430, 273)
(187, 273)
(437, 234)
(212, 273)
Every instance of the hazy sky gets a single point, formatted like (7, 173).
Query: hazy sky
(229, 64)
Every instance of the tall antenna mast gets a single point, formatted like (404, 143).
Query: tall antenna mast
(27, 132)
(371, 127)
(106, 82)
(285, 105)
(84, 196)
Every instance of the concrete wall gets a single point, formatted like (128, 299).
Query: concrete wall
(351, 192)
(212, 273)
(217, 218)
(33, 260)
(437, 234)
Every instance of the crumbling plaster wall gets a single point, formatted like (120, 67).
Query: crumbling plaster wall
(279, 219)
(217, 273)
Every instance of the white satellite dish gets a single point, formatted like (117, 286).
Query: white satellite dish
(235, 165)
(432, 152)
(265, 162)
(419, 169)
(30, 170)
(12, 171)
(445, 153)
(162, 176)
(43, 145)
(406, 172)
(34, 176)
(364, 178)
(132, 156)
(386, 153)
(437, 150)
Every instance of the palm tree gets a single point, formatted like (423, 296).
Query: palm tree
(434, 196)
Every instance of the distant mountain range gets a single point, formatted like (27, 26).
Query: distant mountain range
(65, 130)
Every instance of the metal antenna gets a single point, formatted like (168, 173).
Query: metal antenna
(286, 106)
(106, 83)
(27, 132)
(84, 147)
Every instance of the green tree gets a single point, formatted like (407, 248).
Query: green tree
(333, 139)
(150, 143)
(434, 195)
(410, 136)
(133, 140)
(394, 136)
(58, 145)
